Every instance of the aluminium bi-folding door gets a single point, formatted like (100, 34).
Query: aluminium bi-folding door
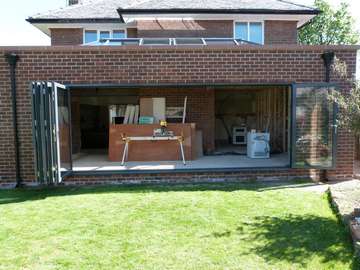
(51, 111)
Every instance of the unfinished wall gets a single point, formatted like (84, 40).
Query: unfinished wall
(272, 115)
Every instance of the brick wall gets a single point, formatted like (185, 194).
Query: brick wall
(131, 33)
(280, 32)
(154, 65)
(60, 36)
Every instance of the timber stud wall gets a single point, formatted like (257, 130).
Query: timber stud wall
(156, 65)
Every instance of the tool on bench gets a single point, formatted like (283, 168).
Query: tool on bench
(164, 137)
(162, 131)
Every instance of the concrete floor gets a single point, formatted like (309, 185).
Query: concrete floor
(97, 161)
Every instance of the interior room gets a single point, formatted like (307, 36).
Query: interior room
(90, 120)
(245, 113)
(167, 129)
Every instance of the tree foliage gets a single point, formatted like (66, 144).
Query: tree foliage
(330, 27)
(349, 109)
(348, 102)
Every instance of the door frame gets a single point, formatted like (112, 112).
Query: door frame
(294, 86)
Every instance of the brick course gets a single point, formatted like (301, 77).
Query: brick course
(158, 65)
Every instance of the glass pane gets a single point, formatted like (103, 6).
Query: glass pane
(241, 31)
(104, 34)
(156, 41)
(219, 41)
(64, 129)
(256, 33)
(118, 34)
(313, 127)
(189, 41)
(90, 36)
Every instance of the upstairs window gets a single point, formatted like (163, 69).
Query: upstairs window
(118, 34)
(104, 34)
(90, 36)
(95, 35)
(249, 31)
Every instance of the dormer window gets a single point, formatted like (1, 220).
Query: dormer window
(91, 36)
(249, 31)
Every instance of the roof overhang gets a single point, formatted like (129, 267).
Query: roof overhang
(301, 19)
(46, 27)
(129, 16)
(215, 11)
(66, 20)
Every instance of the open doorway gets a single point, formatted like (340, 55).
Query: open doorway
(218, 121)
(263, 111)
(90, 121)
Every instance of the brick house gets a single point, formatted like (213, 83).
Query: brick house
(218, 72)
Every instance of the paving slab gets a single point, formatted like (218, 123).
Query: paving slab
(346, 197)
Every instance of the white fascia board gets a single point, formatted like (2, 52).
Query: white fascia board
(45, 27)
(301, 19)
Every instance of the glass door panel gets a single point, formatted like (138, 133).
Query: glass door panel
(313, 129)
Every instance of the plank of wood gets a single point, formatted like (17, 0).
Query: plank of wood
(146, 107)
(136, 116)
(159, 107)
(127, 114)
(132, 113)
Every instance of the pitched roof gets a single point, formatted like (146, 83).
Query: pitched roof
(228, 5)
(107, 9)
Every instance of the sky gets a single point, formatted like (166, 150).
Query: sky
(15, 31)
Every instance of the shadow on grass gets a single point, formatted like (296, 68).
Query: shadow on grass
(296, 239)
(40, 193)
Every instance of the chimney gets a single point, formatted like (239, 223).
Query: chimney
(73, 2)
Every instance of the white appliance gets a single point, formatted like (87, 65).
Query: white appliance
(258, 145)
(239, 135)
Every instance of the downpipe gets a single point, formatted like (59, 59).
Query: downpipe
(12, 60)
(328, 58)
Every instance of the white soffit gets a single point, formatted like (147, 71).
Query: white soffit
(300, 18)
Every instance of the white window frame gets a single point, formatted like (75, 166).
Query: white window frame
(248, 29)
(103, 30)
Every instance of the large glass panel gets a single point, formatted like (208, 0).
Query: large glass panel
(64, 131)
(256, 32)
(241, 30)
(90, 36)
(118, 34)
(313, 127)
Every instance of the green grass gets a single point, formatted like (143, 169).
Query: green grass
(237, 226)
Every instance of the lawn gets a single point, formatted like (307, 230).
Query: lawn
(235, 226)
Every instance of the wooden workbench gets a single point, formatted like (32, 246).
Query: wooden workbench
(151, 150)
